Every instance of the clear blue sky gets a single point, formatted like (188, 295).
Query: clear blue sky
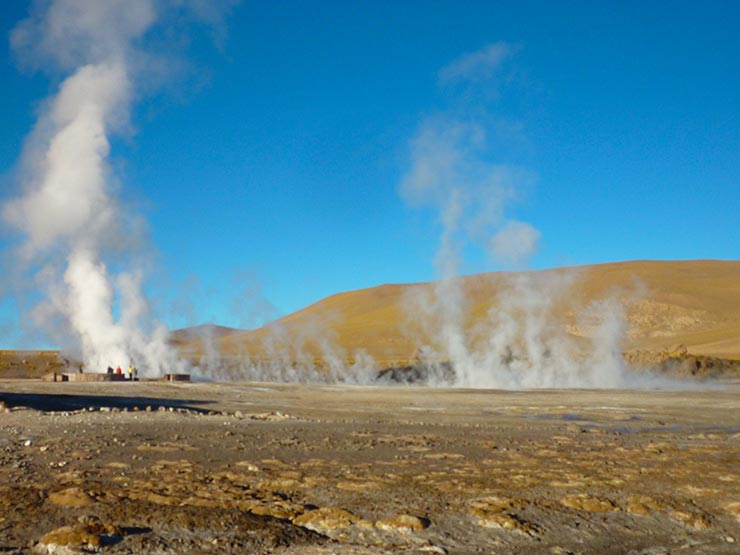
(278, 154)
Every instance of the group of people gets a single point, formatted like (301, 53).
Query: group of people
(133, 372)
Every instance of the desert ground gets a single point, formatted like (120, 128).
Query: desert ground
(162, 468)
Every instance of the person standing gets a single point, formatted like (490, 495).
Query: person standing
(130, 372)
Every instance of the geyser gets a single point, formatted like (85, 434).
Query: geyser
(72, 226)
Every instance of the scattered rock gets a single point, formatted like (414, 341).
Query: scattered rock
(491, 504)
(505, 521)
(358, 486)
(694, 520)
(280, 509)
(275, 416)
(118, 465)
(733, 508)
(90, 534)
(584, 502)
(71, 497)
(558, 550)
(444, 456)
(246, 465)
(160, 499)
(430, 548)
(327, 519)
(403, 523)
(494, 512)
(654, 550)
(642, 505)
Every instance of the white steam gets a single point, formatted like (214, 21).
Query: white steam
(67, 201)
(515, 243)
(68, 212)
(481, 65)
(522, 340)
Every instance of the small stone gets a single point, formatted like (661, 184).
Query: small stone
(733, 508)
(71, 497)
(88, 519)
(90, 534)
(654, 550)
(118, 465)
(27, 443)
(246, 465)
(729, 539)
(327, 519)
(429, 548)
(642, 505)
(495, 512)
(505, 521)
(403, 523)
(698, 521)
(281, 510)
(583, 502)
(358, 486)
(70, 537)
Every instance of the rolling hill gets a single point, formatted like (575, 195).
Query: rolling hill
(655, 305)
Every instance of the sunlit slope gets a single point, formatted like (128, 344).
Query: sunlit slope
(694, 303)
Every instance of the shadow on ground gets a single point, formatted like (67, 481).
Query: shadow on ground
(53, 403)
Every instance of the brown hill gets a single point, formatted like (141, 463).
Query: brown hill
(183, 337)
(664, 303)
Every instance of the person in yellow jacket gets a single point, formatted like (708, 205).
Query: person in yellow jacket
(130, 372)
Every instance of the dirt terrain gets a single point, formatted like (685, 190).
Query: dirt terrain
(161, 468)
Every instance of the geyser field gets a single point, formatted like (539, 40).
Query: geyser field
(328, 146)
(275, 468)
(228, 465)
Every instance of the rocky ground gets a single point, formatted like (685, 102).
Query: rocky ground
(213, 468)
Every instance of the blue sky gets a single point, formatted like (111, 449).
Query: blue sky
(269, 167)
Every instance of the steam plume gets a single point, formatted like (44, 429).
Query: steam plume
(522, 341)
(68, 213)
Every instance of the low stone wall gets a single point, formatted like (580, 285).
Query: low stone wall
(101, 377)
(84, 377)
(177, 377)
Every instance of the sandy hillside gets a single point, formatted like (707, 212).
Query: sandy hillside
(665, 303)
